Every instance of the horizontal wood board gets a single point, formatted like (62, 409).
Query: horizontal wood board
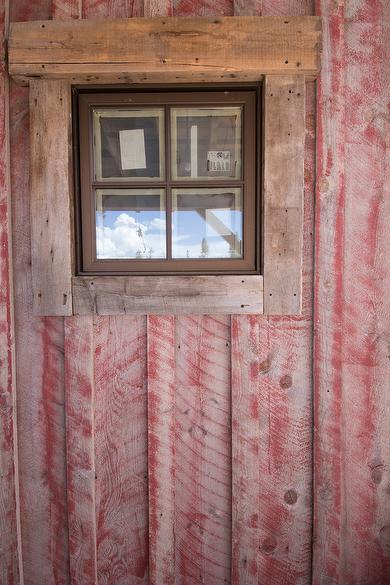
(116, 295)
(244, 48)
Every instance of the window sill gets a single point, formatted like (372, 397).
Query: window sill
(120, 295)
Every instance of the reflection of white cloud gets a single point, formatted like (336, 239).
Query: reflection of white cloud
(157, 224)
(128, 238)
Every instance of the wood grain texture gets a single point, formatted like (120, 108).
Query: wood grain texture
(271, 422)
(66, 9)
(203, 8)
(80, 404)
(119, 295)
(249, 45)
(51, 201)
(352, 301)
(202, 451)
(9, 509)
(154, 8)
(161, 358)
(121, 450)
(102, 9)
(39, 367)
(284, 149)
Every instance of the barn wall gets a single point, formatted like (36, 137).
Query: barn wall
(215, 412)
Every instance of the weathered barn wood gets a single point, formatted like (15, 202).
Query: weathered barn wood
(165, 46)
(271, 439)
(80, 445)
(50, 202)
(9, 529)
(128, 382)
(39, 357)
(118, 295)
(284, 145)
(352, 303)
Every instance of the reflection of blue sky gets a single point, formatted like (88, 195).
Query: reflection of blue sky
(141, 234)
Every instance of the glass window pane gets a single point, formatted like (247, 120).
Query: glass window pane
(206, 142)
(130, 223)
(207, 223)
(129, 144)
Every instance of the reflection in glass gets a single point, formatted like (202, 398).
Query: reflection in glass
(129, 144)
(206, 142)
(130, 223)
(206, 223)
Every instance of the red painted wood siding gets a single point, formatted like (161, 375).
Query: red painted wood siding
(187, 457)
(352, 298)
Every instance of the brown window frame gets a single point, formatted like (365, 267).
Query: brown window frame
(86, 100)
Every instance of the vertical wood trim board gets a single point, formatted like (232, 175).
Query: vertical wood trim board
(51, 231)
(10, 551)
(80, 404)
(284, 151)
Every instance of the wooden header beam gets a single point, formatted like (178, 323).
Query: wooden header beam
(165, 49)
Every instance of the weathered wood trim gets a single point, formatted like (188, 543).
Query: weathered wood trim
(284, 151)
(11, 570)
(243, 47)
(118, 295)
(51, 208)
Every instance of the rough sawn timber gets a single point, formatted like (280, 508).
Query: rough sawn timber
(116, 295)
(244, 47)
(50, 205)
(284, 154)
(352, 299)
(9, 503)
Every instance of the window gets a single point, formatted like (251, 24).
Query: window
(168, 182)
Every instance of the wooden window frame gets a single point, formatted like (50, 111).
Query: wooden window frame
(52, 56)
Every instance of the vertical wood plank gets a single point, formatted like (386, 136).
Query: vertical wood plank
(99, 9)
(161, 448)
(203, 451)
(158, 8)
(352, 301)
(271, 399)
(246, 479)
(39, 355)
(284, 146)
(202, 8)
(328, 302)
(51, 232)
(9, 505)
(121, 450)
(66, 9)
(39, 366)
(79, 394)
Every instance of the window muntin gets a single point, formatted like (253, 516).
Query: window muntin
(168, 182)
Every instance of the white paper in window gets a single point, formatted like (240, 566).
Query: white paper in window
(132, 145)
